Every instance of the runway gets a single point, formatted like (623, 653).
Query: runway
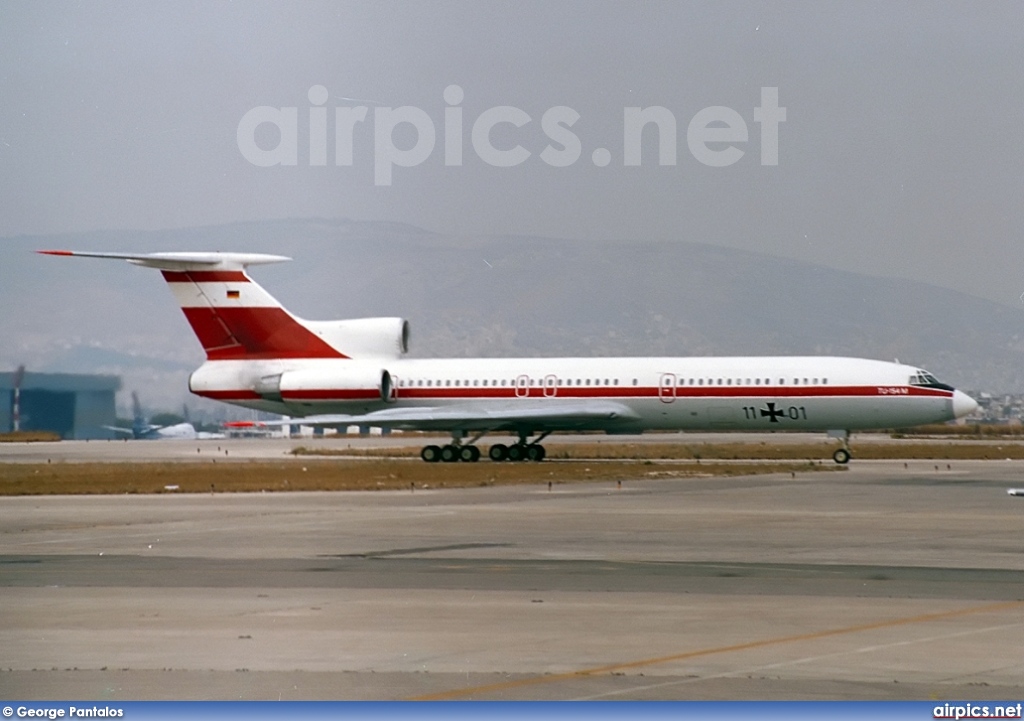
(882, 582)
(180, 451)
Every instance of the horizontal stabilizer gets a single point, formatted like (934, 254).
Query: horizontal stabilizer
(181, 261)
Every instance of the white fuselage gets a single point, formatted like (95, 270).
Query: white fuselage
(737, 393)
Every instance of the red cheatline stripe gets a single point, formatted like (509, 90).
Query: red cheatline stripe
(347, 394)
(627, 392)
(765, 394)
(206, 276)
(681, 393)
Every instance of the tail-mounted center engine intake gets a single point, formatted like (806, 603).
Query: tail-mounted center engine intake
(364, 338)
(347, 381)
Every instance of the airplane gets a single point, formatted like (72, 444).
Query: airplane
(354, 372)
(143, 431)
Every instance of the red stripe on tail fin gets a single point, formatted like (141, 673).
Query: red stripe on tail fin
(206, 276)
(235, 325)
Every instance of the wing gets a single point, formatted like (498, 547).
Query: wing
(536, 417)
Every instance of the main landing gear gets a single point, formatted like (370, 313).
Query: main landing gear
(450, 453)
(842, 455)
(469, 453)
(517, 452)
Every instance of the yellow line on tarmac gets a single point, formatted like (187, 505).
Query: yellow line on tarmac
(537, 680)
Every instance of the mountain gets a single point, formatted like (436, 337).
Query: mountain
(494, 296)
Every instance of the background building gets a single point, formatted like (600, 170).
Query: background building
(75, 406)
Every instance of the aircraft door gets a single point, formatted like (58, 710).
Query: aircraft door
(667, 387)
(522, 386)
(550, 386)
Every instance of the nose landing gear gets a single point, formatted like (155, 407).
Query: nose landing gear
(842, 455)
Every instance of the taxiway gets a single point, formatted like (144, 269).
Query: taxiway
(880, 582)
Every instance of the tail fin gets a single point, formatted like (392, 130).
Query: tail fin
(233, 317)
(139, 425)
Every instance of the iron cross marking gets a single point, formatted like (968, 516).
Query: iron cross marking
(771, 413)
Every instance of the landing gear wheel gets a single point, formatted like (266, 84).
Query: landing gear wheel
(498, 452)
(450, 454)
(535, 452)
(431, 454)
(517, 452)
(841, 456)
(469, 454)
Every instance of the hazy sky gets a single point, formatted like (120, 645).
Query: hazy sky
(902, 151)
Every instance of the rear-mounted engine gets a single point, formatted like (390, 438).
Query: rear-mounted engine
(347, 382)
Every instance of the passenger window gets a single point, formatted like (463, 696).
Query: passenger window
(635, 381)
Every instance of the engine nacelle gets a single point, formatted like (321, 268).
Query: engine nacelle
(364, 338)
(346, 382)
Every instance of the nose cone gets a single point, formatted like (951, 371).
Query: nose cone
(963, 404)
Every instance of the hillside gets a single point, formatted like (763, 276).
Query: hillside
(494, 296)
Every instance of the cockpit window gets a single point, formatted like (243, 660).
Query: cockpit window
(924, 379)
